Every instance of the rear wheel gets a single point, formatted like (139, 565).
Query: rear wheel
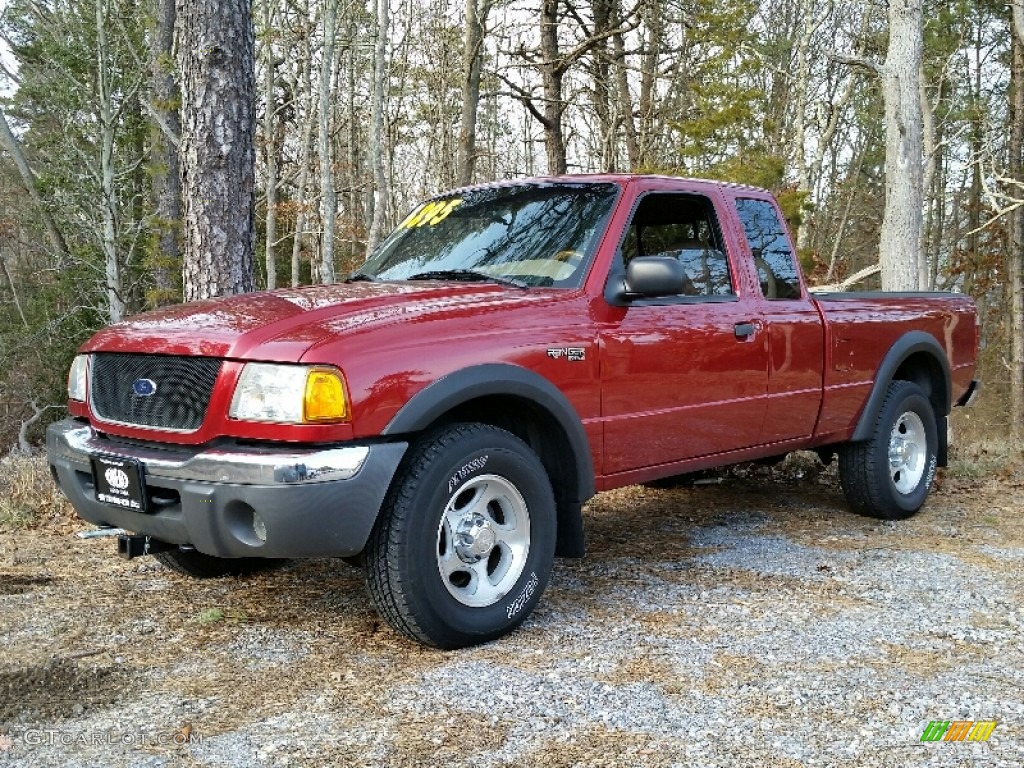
(199, 566)
(889, 475)
(464, 544)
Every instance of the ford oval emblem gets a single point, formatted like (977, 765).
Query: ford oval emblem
(144, 387)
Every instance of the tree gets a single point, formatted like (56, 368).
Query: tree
(308, 105)
(328, 194)
(380, 183)
(900, 241)
(472, 59)
(82, 139)
(270, 143)
(165, 170)
(900, 75)
(1015, 258)
(116, 304)
(552, 68)
(216, 58)
(28, 179)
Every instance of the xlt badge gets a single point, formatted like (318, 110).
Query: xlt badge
(572, 354)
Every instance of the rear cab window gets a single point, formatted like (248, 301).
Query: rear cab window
(777, 271)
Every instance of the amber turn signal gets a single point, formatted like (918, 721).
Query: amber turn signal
(325, 399)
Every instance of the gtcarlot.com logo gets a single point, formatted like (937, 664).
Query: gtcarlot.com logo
(40, 737)
(958, 730)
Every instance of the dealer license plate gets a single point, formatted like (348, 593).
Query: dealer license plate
(119, 482)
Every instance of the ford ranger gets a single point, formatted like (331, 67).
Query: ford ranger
(507, 352)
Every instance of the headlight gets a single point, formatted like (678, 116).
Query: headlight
(78, 377)
(289, 394)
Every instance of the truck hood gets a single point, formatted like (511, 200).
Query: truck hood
(280, 326)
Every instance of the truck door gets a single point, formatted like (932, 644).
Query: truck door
(682, 376)
(795, 331)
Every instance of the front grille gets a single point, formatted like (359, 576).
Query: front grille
(179, 399)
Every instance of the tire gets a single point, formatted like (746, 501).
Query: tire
(464, 545)
(188, 562)
(888, 476)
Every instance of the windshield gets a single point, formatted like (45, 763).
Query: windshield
(528, 235)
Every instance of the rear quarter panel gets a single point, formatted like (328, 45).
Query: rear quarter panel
(860, 328)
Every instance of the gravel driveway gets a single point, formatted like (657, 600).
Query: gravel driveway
(751, 621)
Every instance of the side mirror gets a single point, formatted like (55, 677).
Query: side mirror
(649, 277)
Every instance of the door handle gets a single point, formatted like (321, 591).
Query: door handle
(745, 330)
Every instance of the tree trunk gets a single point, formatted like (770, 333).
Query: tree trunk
(551, 76)
(165, 172)
(108, 201)
(1015, 262)
(931, 158)
(355, 204)
(270, 142)
(977, 145)
(380, 184)
(602, 86)
(647, 138)
(472, 59)
(803, 78)
(624, 102)
(302, 207)
(216, 52)
(900, 242)
(328, 195)
(303, 188)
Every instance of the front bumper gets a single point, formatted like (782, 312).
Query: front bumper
(235, 501)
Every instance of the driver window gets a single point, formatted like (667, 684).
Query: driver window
(682, 227)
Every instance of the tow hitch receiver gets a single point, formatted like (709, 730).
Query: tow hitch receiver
(130, 547)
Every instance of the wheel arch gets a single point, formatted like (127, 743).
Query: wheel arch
(917, 357)
(530, 407)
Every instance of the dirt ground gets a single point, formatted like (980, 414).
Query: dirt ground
(255, 670)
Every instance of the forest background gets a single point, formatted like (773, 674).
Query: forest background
(357, 109)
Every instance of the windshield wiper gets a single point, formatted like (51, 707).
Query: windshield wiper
(357, 277)
(467, 275)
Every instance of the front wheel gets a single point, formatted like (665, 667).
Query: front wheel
(888, 476)
(464, 544)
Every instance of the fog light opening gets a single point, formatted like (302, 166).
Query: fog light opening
(259, 528)
(245, 525)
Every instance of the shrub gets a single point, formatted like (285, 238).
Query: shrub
(28, 496)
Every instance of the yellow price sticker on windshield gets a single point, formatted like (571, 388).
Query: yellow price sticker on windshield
(430, 213)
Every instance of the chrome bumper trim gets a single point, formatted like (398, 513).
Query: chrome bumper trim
(275, 466)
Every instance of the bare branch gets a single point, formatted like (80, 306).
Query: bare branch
(10, 143)
(857, 61)
(14, 290)
(525, 97)
(849, 282)
(167, 131)
(24, 447)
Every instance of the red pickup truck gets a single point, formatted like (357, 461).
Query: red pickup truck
(507, 352)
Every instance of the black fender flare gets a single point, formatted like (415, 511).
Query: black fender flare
(491, 379)
(907, 345)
